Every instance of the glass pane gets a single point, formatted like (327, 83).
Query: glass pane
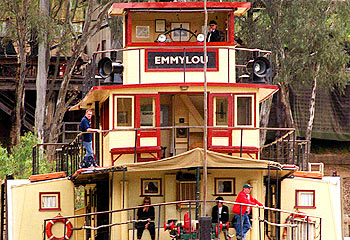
(244, 111)
(49, 202)
(306, 199)
(146, 112)
(221, 111)
(124, 112)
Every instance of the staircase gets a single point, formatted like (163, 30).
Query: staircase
(7, 104)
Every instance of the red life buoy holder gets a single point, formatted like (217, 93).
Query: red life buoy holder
(67, 234)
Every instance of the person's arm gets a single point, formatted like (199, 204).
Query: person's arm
(93, 130)
(225, 215)
(256, 202)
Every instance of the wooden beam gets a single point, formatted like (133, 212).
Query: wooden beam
(193, 110)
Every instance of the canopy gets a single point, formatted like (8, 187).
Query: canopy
(189, 159)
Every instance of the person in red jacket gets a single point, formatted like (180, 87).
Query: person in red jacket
(241, 212)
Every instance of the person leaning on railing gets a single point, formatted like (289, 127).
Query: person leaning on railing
(85, 126)
(242, 224)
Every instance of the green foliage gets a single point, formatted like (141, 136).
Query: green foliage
(301, 34)
(19, 161)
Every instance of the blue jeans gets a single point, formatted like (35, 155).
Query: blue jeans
(246, 225)
(88, 148)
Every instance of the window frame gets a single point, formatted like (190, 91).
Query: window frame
(58, 201)
(144, 180)
(179, 190)
(297, 199)
(253, 109)
(115, 110)
(216, 187)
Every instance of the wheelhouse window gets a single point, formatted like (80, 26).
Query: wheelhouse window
(244, 113)
(49, 201)
(147, 114)
(305, 199)
(124, 113)
(221, 111)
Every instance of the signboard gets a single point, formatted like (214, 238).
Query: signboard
(176, 60)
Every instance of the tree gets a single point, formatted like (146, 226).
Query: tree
(307, 40)
(22, 19)
(65, 95)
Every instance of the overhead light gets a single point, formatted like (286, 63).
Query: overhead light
(200, 37)
(183, 87)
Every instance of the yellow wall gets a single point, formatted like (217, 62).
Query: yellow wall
(324, 201)
(132, 65)
(27, 219)
(133, 196)
(119, 139)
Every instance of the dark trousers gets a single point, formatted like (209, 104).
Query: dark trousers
(140, 226)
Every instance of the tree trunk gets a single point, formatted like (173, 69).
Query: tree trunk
(264, 118)
(310, 123)
(286, 104)
(19, 95)
(41, 80)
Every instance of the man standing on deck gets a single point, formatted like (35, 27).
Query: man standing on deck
(242, 224)
(85, 126)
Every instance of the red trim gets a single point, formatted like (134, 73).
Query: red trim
(181, 69)
(181, 5)
(194, 84)
(231, 28)
(234, 149)
(296, 199)
(178, 44)
(58, 201)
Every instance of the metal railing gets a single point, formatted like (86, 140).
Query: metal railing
(286, 149)
(297, 225)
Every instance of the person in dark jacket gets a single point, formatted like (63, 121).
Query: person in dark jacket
(147, 215)
(85, 126)
(214, 35)
(242, 211)
(220, 213)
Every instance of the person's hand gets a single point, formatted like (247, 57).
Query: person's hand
(99, 131)
(146, 226)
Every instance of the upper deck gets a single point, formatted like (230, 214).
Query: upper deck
(164, 43)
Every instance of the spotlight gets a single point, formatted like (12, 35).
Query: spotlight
(107, 68)
(258, 68)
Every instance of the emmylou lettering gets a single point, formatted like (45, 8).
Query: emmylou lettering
(179, 60)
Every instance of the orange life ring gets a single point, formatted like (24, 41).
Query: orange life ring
(68, 233)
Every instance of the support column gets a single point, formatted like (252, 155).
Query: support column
(124, 233)
(97, 135)
(254, 232)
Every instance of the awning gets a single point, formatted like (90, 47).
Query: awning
(186, 160)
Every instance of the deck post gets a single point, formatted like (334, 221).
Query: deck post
(97, 135)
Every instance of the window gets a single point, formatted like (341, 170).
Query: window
(221, 110)
(225, 186)
(244, 111)
(186, 190)
(124, 113)
(147, 112)
(49, 201)
(305, 199)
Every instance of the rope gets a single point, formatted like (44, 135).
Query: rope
(111, 225)
(277, 140)
(278, 224)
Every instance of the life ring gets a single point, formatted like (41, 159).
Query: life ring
(68, 233)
